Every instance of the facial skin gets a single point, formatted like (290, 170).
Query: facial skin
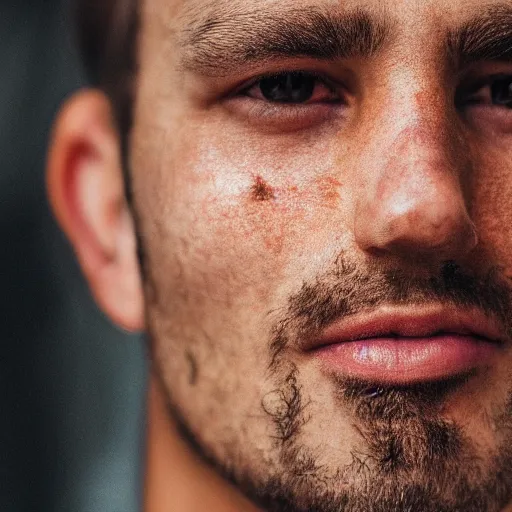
(260, 223)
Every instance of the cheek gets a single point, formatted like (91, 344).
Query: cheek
(492, 208)
(254, 235)
(246, 221)
(271, 216)
(264, 200)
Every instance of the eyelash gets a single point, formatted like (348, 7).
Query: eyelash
(318, 80)
(467, 93)
(470, 95)
(296, 115)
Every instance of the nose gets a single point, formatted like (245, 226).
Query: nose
(411, 203)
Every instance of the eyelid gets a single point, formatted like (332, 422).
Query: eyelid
(474, 82)
(329, 83)
(474, 86)
(283, 118)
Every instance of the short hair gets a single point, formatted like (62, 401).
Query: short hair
(107, 41)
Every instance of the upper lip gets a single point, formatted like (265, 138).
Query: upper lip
(409, 322)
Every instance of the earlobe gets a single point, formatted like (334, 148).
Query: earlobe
(86, 192)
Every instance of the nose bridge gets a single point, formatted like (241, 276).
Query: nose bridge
(419, 162)
(412, 200)
(419, 112)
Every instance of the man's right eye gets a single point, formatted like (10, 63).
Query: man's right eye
(291, 88)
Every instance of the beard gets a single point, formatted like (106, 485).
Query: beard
(410, 457)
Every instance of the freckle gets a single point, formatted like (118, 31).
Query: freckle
(329, 188)
(275, 242)
(261, 190)
(422, 98)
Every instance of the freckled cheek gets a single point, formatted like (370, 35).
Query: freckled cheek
(255, 229)
(273, 220)
(245, 246)
(246, 209)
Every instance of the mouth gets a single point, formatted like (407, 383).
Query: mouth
(406, 345)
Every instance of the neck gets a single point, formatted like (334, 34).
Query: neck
(176, 478)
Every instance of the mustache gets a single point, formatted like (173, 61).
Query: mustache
(349, 288)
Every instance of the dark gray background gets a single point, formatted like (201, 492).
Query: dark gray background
(71, 385)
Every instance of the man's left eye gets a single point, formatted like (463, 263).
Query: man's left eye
(496, 92)
(501, 92)
(291, 88)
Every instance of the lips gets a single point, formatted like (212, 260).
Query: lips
(402, 345)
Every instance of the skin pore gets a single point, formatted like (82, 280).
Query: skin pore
(382, 180)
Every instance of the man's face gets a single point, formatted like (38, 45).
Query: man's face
(323, 191)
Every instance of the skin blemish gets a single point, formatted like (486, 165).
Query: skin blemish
(275, 241)
(193, 370)
(329, 190)
(261, 190)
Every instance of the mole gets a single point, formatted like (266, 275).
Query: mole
(261, 190)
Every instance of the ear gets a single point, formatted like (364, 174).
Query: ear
(86, 192)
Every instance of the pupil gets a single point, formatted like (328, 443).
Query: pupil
(288, 88)
(501, 92)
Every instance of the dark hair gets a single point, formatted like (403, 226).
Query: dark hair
(107, 39)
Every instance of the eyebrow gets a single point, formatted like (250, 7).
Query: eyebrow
(231, 37)
(486, 37)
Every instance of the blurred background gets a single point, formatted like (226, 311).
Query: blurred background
(71, 385)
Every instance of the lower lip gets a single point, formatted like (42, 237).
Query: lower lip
(408, 360)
